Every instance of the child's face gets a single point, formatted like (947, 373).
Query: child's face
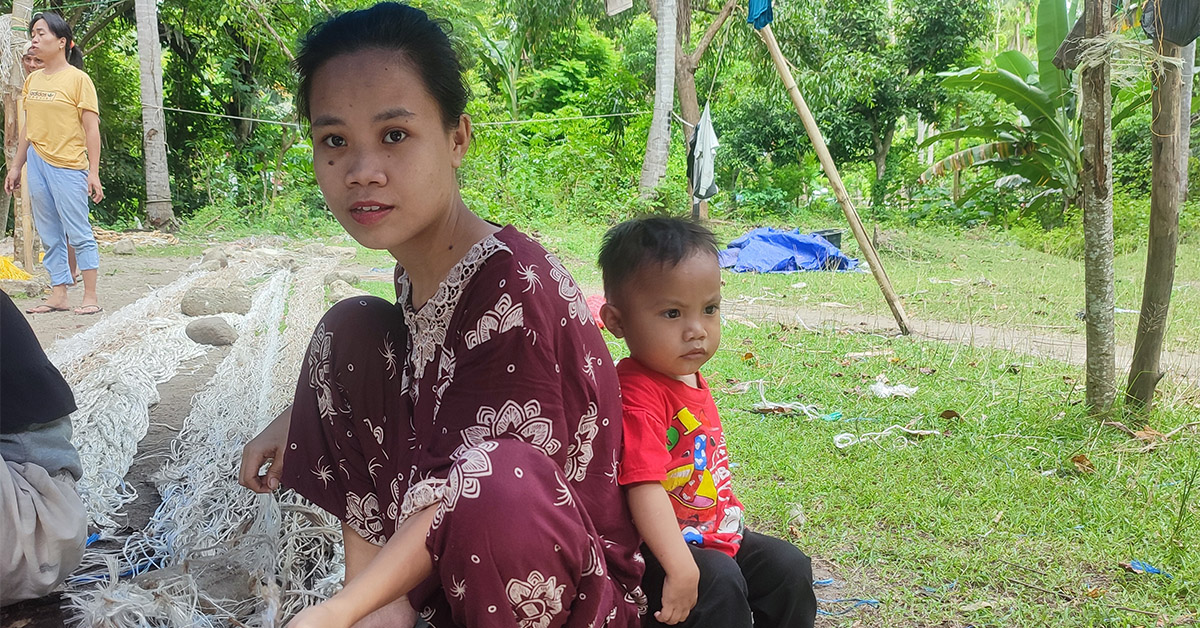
(670, 318)
(382, 156)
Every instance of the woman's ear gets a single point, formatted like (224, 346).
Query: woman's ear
(612, 320)
(460, 139)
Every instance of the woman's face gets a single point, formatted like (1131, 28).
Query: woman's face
(384, 160)
(44, 42)
(31, 62)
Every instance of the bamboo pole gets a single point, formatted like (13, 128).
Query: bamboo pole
(835, 179)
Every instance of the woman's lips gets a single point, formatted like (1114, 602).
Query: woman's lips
(369, 214)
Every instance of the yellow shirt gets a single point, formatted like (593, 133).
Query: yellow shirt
(54, 107)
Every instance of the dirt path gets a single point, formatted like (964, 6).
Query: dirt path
(1062, 347)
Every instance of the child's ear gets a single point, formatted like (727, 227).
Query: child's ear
(612, 320)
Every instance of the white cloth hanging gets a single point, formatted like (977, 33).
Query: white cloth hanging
(704, 185)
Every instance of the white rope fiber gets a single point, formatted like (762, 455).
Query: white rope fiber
(214, 553)
(114, 368)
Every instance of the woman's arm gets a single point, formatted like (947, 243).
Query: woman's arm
(401, 564)
(655, 520)
(12, 181)
(359, 553)
(91, 139)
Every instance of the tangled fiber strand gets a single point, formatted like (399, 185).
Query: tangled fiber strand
(114, 369)
(240, 559)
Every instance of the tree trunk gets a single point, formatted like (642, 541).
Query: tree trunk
(154, 140)
(1170, 122)
(658, 142)
(24, 237)
(1096, 109)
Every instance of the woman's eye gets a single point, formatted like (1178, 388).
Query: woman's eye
(334, 141)
(394, 137)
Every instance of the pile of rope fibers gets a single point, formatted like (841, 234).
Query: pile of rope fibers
(215, 554)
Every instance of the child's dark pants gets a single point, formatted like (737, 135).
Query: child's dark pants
(768, 585)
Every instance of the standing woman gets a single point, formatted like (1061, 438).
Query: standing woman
(61, 145)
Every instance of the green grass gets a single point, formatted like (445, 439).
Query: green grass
(999, 487)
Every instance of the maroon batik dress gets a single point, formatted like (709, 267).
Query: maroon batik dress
(497, 403)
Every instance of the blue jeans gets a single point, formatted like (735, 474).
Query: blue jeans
(59, 200)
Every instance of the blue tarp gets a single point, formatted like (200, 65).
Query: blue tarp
(770, 250)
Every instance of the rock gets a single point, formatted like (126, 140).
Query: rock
(124, 247)
(212, 330)
(30, 287)
(215, 254)
(339, 290)
(209, 300)
(343, 275)
(210, 265)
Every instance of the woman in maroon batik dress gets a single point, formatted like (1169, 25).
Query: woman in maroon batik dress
(467, 435)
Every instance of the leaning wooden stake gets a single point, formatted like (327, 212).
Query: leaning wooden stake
(1170, 140)
(835, 179)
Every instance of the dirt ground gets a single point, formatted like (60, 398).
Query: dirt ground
(124, 279)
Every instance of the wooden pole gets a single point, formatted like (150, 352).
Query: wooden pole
(159, 209)
(835, 179)
(1169, 136)
(22, 11)
(1099, 287)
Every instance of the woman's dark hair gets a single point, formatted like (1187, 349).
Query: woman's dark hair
(634, 244)
(394, 27)
(61, 30)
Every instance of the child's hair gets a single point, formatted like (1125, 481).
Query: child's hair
(660, 240)
(390, 26)
(59, 27)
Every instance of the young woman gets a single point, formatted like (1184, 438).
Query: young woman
(467, 435)
(61, 146)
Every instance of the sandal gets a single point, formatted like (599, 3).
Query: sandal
(46, 309)
(88, 310)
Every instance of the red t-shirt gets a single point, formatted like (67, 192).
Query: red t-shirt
(673, 436)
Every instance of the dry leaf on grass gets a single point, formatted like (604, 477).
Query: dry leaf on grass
(950, 414)
(1083, 464)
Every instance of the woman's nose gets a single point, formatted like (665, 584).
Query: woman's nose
(365, 169)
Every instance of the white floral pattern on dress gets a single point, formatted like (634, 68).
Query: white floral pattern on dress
(579, 453)
(501, 318)
(569, 291)
(530, 276)
(427, 326)
(445, 377)
(320, 368)
(362, 514)
(523, 421)
(463, 481)
(535, 601)
(420, 496)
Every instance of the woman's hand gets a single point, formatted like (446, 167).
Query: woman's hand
(679, 595)
(95, 190)
(268, 446)
(12, 181)
(319, 616)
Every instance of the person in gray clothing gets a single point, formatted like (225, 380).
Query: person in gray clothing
(43, 523)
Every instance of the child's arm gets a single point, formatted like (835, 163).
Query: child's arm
(655, 520)
(400, 565)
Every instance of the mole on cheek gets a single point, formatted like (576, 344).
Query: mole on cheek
(331, 162)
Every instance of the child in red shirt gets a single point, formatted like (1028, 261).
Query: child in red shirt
(663, 289)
